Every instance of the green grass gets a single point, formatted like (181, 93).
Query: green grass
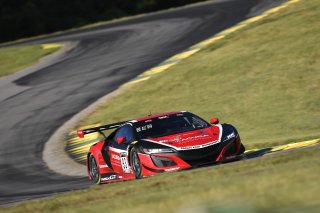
(281, 183)
(17, 58)
(264, 80)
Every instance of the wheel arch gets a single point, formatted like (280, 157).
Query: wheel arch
(136, 145)
(129, 156)
(87, 164)
(96, 151)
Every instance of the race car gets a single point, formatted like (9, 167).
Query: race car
(159, 143)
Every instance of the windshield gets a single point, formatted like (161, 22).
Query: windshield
(168, 125)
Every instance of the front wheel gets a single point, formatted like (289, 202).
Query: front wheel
(135, 163)
(94, 170)
(242, 149)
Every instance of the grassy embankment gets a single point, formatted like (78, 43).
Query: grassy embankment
(17, 58)
(283, 183)
(264, 80)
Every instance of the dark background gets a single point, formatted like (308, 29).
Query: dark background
(25, 18)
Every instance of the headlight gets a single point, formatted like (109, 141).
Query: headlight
(153, 151)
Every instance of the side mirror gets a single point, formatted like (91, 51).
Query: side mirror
(121, 140)
(80, 134)
(214, 120)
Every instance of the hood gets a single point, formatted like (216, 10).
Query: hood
(191, 138)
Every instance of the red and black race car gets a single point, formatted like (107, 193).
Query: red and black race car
(159, 143)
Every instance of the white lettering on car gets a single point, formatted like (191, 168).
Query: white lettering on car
(162, 117)
(178, 139)
(199, 146)
(144, 128)
(116, 157)
(111, 177)
(172, 169)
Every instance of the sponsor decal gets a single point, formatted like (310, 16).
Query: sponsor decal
(172, 169)
(199, 146)
(195, 138)
(189, 147)
(162, 117)
(176, 139)
(183, 140)
(232, 135)
(110, 177)
(116, 157)
(144, 128)
(104, 166)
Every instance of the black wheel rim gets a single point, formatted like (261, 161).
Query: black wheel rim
(136, 164)
(94, 173)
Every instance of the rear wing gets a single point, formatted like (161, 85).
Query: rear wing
(99, 129)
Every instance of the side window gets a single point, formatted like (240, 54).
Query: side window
(125, 131)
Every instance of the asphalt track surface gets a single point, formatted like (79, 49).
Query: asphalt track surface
(106, 57)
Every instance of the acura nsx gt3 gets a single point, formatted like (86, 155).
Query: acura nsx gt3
(159, 143)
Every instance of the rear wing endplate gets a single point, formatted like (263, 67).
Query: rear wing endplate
(99, 129)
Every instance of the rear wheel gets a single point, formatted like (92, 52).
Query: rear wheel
(135, 163)
(94, 170)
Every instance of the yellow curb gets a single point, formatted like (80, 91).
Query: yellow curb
(87, 138)
(234, 29)
(135, 81)
(288, 146)
(49, 46)
(80, 149)
(82, 158)
(211, 40)
(295, 145)
(184, 55)
(158, 69)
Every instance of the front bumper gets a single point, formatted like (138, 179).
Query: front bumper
(183, 159)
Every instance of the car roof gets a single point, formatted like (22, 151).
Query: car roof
(158, 115)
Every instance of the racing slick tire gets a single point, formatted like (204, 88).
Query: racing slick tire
(241, 155)
(94, 170)
(135, 163)
(242, 149)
